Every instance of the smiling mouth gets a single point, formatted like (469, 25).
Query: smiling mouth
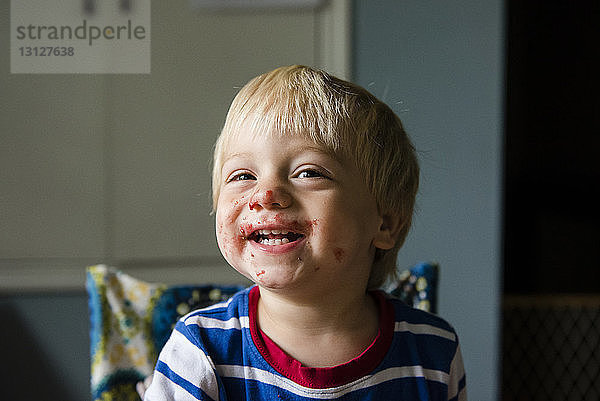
(274, 237)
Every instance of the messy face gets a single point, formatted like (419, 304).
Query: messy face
(290, 215)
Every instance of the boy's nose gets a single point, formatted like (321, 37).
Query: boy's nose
(275, 198)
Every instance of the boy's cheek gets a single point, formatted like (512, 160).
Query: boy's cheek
(225, 219)
(228, 209)
(229, 241)
(237, 202)
(222, 242)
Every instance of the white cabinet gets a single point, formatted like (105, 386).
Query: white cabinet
(116, 168)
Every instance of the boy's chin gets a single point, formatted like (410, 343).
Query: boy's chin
(262, 277)
(276, 277)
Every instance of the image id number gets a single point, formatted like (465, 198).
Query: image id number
(44, 51)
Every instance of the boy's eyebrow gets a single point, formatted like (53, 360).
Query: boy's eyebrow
(236, 155)
(314, 149)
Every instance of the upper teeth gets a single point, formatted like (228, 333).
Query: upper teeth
(267, 232)
(266, 241)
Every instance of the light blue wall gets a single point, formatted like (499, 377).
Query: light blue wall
(439, 65)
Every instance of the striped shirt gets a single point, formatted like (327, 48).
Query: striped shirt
(219, 353)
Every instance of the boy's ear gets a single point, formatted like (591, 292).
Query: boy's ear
(388, 231)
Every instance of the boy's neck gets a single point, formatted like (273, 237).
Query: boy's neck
(319, 332)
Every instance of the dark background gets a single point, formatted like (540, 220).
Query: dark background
(552, 167)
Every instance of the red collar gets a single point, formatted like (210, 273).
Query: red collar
(328, 377)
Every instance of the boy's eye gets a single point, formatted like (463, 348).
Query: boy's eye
(241, 177)
(310, 174)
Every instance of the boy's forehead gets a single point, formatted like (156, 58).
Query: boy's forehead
(258, 129)
(236, 147)
(256, 125)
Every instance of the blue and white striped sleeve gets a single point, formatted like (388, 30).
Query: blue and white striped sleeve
(457, 387)
(184, 372)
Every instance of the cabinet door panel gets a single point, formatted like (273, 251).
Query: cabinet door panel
(165, 124)
(51, 165)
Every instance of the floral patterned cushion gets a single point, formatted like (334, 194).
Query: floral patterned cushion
(130, 322)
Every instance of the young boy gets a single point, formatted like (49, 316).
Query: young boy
(314, 182)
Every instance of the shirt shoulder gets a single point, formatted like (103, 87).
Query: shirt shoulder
(220, 330)
(421, 322)
(427, 341)
(201, 340)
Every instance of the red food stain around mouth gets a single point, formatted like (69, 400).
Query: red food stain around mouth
(246, 230)
(228, 242)
(260, 273)
(297, 226)
(339, 254)
(303, 227)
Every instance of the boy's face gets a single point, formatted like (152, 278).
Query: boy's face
(290, 216)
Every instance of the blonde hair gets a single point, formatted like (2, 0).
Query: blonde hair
(342, 118)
